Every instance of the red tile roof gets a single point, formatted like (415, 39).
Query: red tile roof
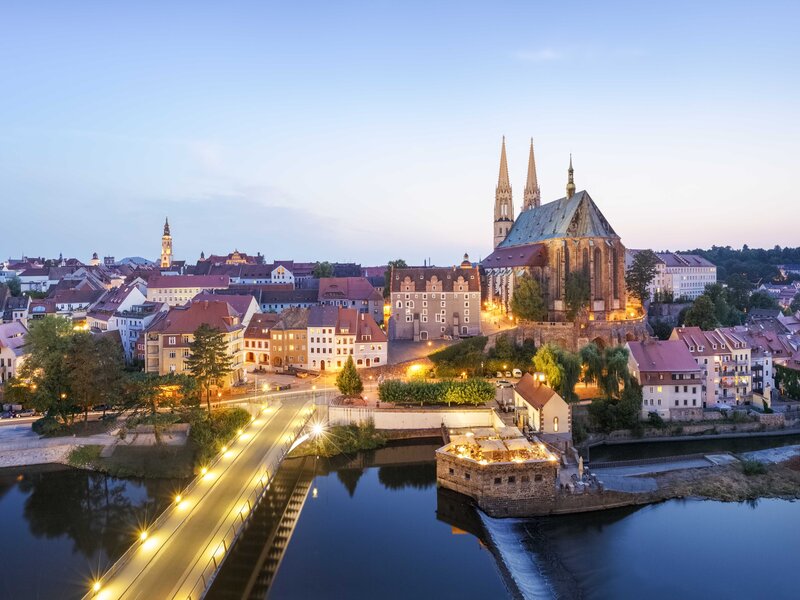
(533, 392)
(186, 319)
(347, 288)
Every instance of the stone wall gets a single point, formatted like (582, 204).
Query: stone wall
(573, 336)
(411, 418)
(686, 414)
(500, 489)
(772, 420)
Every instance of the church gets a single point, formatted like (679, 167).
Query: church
(549, 241)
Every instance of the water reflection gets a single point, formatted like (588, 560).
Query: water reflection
(419, 477)
(92, 516)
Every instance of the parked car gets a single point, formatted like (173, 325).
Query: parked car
(6, 414)
(517, 373)
(504, 384)
(499, 375)
(28, 412)
(301, 374)
(508, 374)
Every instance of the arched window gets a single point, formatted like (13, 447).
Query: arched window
(615, 272)
(598, 274)
(555, 424)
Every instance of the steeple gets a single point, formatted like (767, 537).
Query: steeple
(503, 204)
(570, 181)
(166, 247)
(532, 196)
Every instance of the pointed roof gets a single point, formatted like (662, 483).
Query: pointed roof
(532, 195)
(570, 180)
(502, 180)
(166, 226)
(574, 217)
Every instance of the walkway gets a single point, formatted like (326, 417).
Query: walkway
(181, 552)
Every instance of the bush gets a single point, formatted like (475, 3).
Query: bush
(465, 356)
(470, 392)
(655, 420)
(210, 433)
(753, 467)
(84, 456)
(47, 425)
(345, 439)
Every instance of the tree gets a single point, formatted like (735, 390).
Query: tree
(576, 292)
(738, 290)
(528, 302)
(702, 314)
(209, 361)
(14, 286)
(348, 380)
(45, 369)
(562, 369)
(795, 305)
(322, 270)
(608, 368)
(641, 274)
(662, 329)
(387, 276)
(761, 300)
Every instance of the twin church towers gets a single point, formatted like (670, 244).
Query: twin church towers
(532, 197)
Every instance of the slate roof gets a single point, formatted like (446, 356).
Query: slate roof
(12, 336)
(347, 288)
(530, 255)
(573, 217)
(660, 355)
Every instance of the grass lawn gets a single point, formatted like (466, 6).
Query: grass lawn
(80, 429)
(173, 462)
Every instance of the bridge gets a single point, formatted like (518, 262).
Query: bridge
(179, 554)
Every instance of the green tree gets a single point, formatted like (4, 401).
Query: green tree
(348, 381)
(45, 369)
(795, 305)
(387, 275)
(608, 368)
(576, 292)
(761, 300)
(322, 269)
(209, 361)
(562, 369)
(738, 290)
(528, 301)
(702, 314)
(662, 329)
(641, 274)
(14, 286)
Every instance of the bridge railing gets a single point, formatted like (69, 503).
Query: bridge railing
(218, 548)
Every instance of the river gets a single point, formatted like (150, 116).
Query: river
(375, 526)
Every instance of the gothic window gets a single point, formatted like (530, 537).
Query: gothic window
(615, 272)
(585, 262)
(598, 274)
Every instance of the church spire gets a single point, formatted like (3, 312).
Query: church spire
(503, 204)
(532, 195)
(166, 226)
(502, 180)
(570, 180)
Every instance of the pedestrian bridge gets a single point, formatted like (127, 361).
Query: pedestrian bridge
(179, 554)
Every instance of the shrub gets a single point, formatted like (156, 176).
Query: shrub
(47, 425)
(753, 467)
(84, 456)
(655, 420)
(346, 439)
(469, 392)
(210, 433)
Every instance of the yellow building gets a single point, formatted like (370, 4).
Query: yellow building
(169, 336)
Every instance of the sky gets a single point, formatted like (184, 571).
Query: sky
(368, 131)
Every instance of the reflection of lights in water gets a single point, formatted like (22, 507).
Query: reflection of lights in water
(314, 493)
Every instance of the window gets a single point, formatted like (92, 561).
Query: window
(525, 479)
(555, 424)
(451, 471)
(171, 340)
(537, 477)
(467, 476)
(497, 480)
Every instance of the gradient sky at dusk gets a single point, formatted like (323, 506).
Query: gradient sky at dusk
(368, 131)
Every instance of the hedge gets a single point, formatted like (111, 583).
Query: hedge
(472, 391)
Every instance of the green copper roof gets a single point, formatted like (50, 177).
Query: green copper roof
(574, 217)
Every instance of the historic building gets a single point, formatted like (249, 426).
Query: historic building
(549, 242)
(166, 247)
(435, 302)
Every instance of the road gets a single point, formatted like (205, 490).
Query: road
(169, 562)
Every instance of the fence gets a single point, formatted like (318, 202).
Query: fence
(263, 480)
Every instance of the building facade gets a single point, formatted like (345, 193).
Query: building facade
(562, 243)
(176, 290)
(671, 379)
(12, 349)
(168, 338)
(166, 247)
(433, 302)
(679, 275)
(336, 333)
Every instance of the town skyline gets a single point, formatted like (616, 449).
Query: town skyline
(356, 123)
